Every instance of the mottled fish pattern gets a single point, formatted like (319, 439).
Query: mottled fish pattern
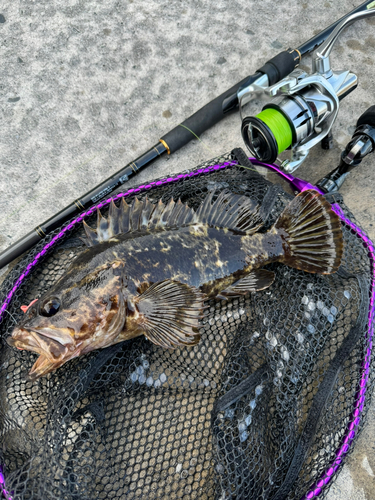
(149, 268)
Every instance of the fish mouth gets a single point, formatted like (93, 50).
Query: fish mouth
(43, 341)
(53, 348)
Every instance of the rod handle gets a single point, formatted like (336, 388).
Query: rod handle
(204, 118)
(281, 65)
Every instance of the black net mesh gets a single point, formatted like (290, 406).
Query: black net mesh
(256, 410)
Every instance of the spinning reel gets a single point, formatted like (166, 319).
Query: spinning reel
(303, 109)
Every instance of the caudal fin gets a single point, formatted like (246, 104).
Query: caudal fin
(312, 234)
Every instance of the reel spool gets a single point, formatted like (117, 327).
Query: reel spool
(267, 134)
(281, 124)
(301, 115)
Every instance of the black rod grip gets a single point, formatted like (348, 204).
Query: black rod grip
(281, 65)
(205, 117)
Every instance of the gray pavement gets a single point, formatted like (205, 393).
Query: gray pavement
(86, 86)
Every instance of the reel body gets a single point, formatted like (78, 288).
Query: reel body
(301, 115)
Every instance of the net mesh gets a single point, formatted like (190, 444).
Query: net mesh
(256, 410)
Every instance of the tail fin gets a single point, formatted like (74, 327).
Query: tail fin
(312, 234)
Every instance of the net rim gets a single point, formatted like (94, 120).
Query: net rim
(359, 403)
(318, 487)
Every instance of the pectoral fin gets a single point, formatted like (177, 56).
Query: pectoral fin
(169, 313)
(259, 279)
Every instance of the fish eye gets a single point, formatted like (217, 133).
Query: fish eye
(50, 306)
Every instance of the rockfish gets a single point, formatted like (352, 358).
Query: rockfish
(149, 268)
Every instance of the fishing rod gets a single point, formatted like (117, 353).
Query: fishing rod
(271, 73)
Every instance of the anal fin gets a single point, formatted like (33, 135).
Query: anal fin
(169, 313)
(258, 279)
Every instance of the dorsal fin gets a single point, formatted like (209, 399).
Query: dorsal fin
(231, 211)
(235, 212)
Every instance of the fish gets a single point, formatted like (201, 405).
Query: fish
(150, 268)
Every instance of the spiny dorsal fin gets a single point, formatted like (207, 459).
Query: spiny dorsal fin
(237, 213)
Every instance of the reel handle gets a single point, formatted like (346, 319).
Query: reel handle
(367, 118)
(361, 144)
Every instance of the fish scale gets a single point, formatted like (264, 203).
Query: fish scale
(192, 257)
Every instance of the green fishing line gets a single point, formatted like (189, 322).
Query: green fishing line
(279, 126)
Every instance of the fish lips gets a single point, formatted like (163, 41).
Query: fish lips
(42, 366)
(44, 341)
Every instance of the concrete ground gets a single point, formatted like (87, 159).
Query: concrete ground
(87, 86)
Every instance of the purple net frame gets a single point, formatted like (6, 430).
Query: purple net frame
(353, 427)
(5, 493)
